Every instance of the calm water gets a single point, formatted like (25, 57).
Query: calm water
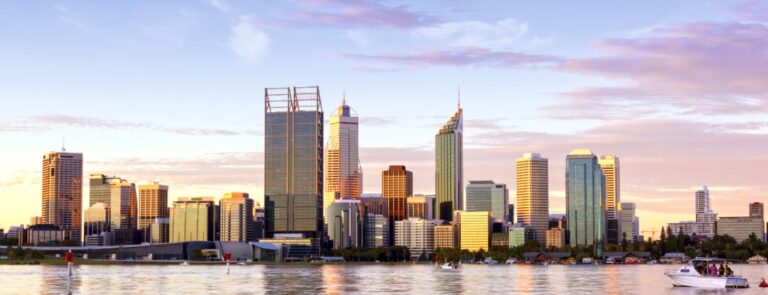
(354, 279)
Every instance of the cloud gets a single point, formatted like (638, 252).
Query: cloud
(67, 16)
(461, 57)
(357, 36)
(353, 14)
(43, 123)
(247, 40)
(219, 4)
(500, 34)
(701, 68)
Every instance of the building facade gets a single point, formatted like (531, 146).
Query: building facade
(237, 223)
(555, 238)
(474, 230)
(445, 236)
(488, 196)
(153, 204)
(417, 234)
(194, 219)
(97, 219)
(611, 170)
(62, 199)
(627, 217)
(343, 174)
(532, 180)
(344, 223)
(585, 199)
(741, 227)
(449, 167)
(396, 186)
(519, 234)
(704, 215)
(293, 162)
(123, 204)
(376, 231)
(420, 206)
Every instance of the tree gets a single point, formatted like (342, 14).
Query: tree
(624, 241)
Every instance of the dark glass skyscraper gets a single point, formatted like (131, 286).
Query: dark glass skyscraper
(585, 199)
(293, 161)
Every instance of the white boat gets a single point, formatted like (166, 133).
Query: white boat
(689, 276)
(184, 263)
(489, 260)
(449, 265)
(511, 261)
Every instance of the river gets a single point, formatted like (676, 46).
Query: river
(353, 279)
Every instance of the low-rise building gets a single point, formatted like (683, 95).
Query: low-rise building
(740, 227)
(417, 235)
(445, 236)
(555, 237)
(518, 235)
(44, 233)
(376, 231)
(474, 230)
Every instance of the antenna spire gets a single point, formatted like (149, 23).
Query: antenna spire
(344, 97)
(459, 96)
(63, 145)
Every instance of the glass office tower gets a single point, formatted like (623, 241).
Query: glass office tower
(585, 199)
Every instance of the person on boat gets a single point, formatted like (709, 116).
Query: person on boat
(721, 271)
(728, 271)
(713, 271)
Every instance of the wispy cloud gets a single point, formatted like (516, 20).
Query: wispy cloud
(219, 4)
(353, 14)
(501, 34)
(462, 57)
(248, 40)
(357, 36)
(44, 123)
(67, 16)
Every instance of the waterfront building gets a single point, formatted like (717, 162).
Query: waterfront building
(420, 206)
(159, 231)
(490, 197)
(343, 174)
(417, 234)
(532, 180)
(396, 186)
(153, 204)
(555, 238)
(519, 234)
(293, 162)
(123, 204)
(704, 214)
(97, 219)
(236, 218)
(474, 230)
(44, 233)
(100, 189)
(376, 231)
(194, 219)
(636, 229)
(585, 199)
(445, 236)
(610, 166)
(343, 223)
(449, 167)
(740, 227)
(627, 217)
(62, 197)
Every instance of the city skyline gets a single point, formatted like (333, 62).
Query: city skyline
(196, 126)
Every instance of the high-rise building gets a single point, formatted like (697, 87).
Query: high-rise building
(585, 199)
(100, 189)
(474, 230)
(194, 219)
(511, 217)
(421, 206)
(62, 200)
(520, 233)
(490, 197)
(704, 215)
(35, 220)
(627, 217)
(445, 236)
(396, 186)
(449, 167)
(376, 231)
(153, 204)
(97, 219)
(236, 218)
(636, 228)
(344, 223)
(159, 231)
(610, 166)
(532, 180)
(343, 174)
(293, 162)
(756, 209)
(123, 204)
(417, 234)
(374, 204)
(555, 238)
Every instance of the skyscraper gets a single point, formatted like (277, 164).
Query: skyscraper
(123, 204)
(237, 224)
(532, 180)
(396, 186)
(756, 209)
(344, 223)
(610, 166)
(627, 217)
(293, 161)
(705, 217)
(153, 204)
(421, 206)
(62, 202)
(96, 219)
(474, 230)
(343, 174)
(585, 199)
(449, 167)
(485, 195)
(101, 189)
(194, 219)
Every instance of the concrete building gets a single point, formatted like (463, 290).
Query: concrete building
(445, 236)
(376, 231)
(740, 227)
(487, 196)
(159, 231)
(756, 209)
(44, 233)
(511, 217)
(97, 219)
(35, 220)
(449, 167)
(417, 234)
(519, 234)
(610, 166)
(194, 219)
(555, 238)
(236, 218)
(293, 162)
(532, 181)
(420, 206)
(585, 199)
(153, 204)
(62, 198)
(474, 230)
(704, 214)
(344, 223)
(627, 217)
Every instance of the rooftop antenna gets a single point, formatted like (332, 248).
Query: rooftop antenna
(63, 146)
(344, 97)
(459, 96)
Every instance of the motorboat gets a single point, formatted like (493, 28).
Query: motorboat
(489, 260)
(184, 263)
(695, 274)
(511, 261)
(449, 265)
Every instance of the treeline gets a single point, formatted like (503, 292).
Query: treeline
(19, 253)
(381, 254)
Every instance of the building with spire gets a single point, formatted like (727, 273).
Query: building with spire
(449, 166)
(343, 174)
(62, 198)
(293, 162)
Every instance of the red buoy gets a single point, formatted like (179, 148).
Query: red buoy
(763, 284)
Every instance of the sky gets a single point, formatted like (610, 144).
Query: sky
(173, 91)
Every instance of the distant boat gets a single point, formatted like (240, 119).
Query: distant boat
(489, 260)
(184, 263)
(689, 275)
(241, 263)
(449, 265)
(511, 261)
